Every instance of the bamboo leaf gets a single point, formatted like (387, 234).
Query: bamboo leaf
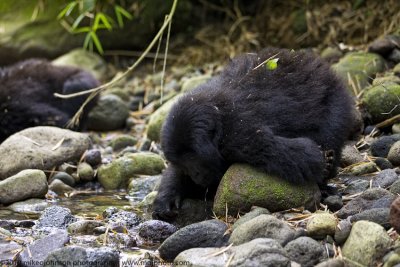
(78, 21)
(67, 10)
(101, 21)
(272, 64)
(88, 39)
(96, 42)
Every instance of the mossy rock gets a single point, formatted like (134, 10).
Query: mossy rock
(193, 82)
(244, 186)
(122, 141)
(380, 101)
(357, 68)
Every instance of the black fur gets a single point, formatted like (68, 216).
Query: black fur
(27, 95)
(282, 121)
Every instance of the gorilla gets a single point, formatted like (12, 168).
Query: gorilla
(27, 95)
(290, 121)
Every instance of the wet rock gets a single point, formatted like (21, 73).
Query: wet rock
(193, 82)
(84, 227)
(367, 242)
(394, 154)
(361, 169)
(305, 250)
(7, 251)
(377, 215)
(60, 188)
(381, 146)
(30, 206)
(321, 224)
(117, 173)
(250, 215)
(384, 46)
(118, 240)
(357, 68)
(356, 186)
(123, 219)
(86, 257)
(84, 59)
(334, 202)
(57, 217)
(203, 234)
(383, 163)
(350, 155)
(93, 157)
(23, 185)
(342, 232)
(40, 148)
(122, 141)
(63, 177)
(259, 252)
(85, 172)
(156, 231)
(385, 178)
(331, 263)
(141, 186)
(41, 248)
(371, 198)
(394, 215)
(110, 113)
(262, 226)
(244, 186)
(147, 201)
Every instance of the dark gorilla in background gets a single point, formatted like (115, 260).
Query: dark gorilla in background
(27, 95)
(284, 121)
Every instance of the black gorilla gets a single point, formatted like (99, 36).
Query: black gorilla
(27, 100)
(281, 120)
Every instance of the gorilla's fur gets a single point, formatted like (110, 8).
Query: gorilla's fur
(27, 95)
(281, 120)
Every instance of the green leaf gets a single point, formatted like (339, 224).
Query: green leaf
(88, 5)
(96, 42)
(78, 21)
(88, 39)
(67, 10)
(82, 29)
(272, 64)
(101, 22)
(119, 12)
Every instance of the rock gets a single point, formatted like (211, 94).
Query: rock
(156, 120)
(86, 257)
(143, 185)
(117, 173)
(396, 69)
(122, 141)
(396, 127)
(394, 154)
(110, 113)
(381, 146)
(155, 230)
(305, 250)
(259, 252)
(357, 68)
(367, 242)
(57, 217)
(7, 252)
(391, 259)
(86, 60)
(120, 240)
(42, 147)
(321, 224)
(58, 187)
(23, 185)
(383, 163)
(250, 215)
(93, 157)
(342, 232)
(385, 45)
(331, 54)
(85, 172)
(41, 248)
(84, 227)
(193, 82)
(334, 202)
(395, 188)
(63, 177)
(356, 186)
(390, 78)
(244, 186)
(361, 169)
(262, 226)
(376, 215)
(394, 215)
(30, 206)
(122, 219)
(385, 178)
(147, 201)
(203, 234)
(394, 56)
(380, 101)
(331, 263)
(371, 198)
(350, 156)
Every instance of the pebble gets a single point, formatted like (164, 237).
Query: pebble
(305, 250)
(342, 231)
(385, 178)
(321, 224)
(57, 217)
(394, 154)
(85, 172)
(334, 202)
(381, 146)
(155, 230)
(395, 214)
(60, 188)
(93, 157)
(64, 177)
(376, 215)
(256, 211)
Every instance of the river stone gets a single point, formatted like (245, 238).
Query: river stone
(41, 248)
(395, 214)
(203, 234)
(122, 141)
(371, 198)
(157, 118)
(193, 82)
(59, 187)
(110, 113)
(396, 128)
(394, 154)
(93, 157)
(385, 178)
(42, 147)
(334, 202)
(342, 232)
(262, 226)
(7, 251)
(63, 177)
(85, 257)
(356, 186)
(117, 173)
(121, 219)
(258, 252)
(57, 217)
(84, 227)
(85, 172)
(139, 187)
(30, 206)
(361, 169)
(244, 186)
(376, 215)
(250, 215)
(305, 250)
(23, 185)
(357, 68)
(84, 59)
(383, 163)
(390, 78)
(380, 101)
(366, 244)
(155, 230)
(381, 146)
(384, 45)
(321, 224)
(350, 155)
(331, 263)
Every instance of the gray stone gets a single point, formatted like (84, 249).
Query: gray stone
(64, 177)
(321, 224)
(385, 178)
(84, 227)
(394, 154)
(366, 244)
(356, 186)
(122, 219)
(85, 172)
(42, 147)
(305, 250)
(384, 45)
(342, 232)
(361, 169)
(23, 185)
(141, 186)
(350, 155)
(262, 226)
(334, 202)
(7, 251)
(395, 188)
(203, 234)
(377, 215)
(60, 188)
(122, 141)
(30, 206)
(250, 215)
(381, 146)
(57, 217)
(93, 157)
(383, 163)
(331, 263)
(156, 230)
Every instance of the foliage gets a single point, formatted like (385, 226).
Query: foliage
(90, 16)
